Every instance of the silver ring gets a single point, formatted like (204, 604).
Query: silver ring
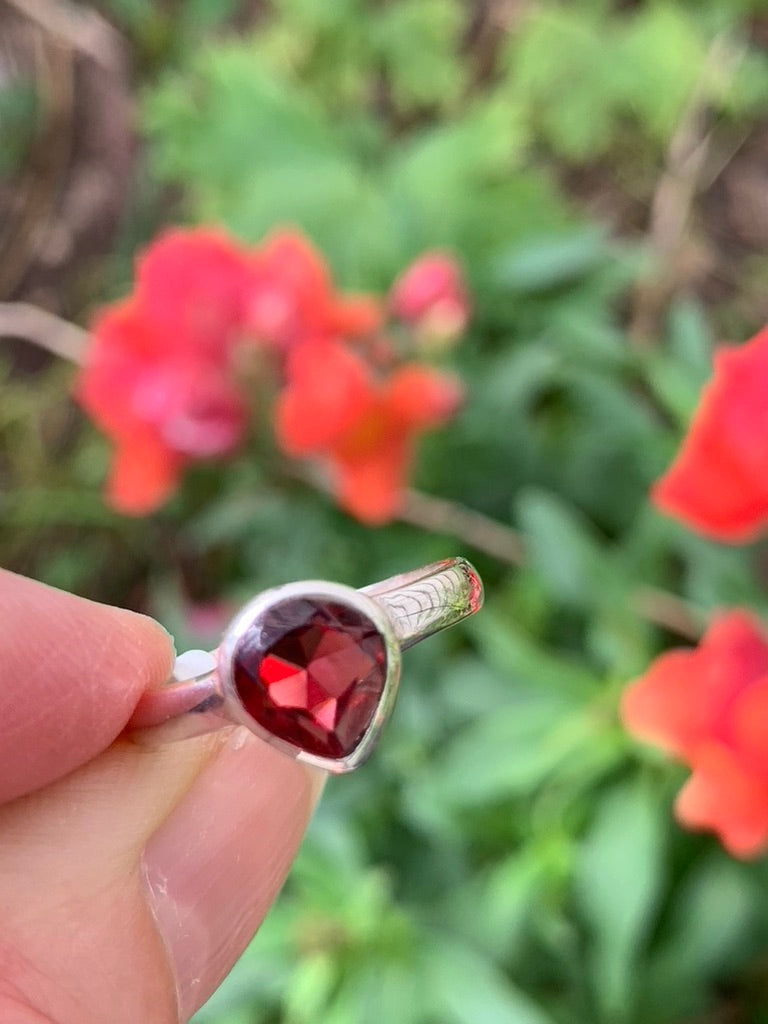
(310, 667)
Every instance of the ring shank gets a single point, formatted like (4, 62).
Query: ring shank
(191, 703)
(427, 600)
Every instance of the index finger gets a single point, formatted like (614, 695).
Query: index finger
(71, 673)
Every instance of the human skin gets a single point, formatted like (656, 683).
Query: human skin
(131, 878)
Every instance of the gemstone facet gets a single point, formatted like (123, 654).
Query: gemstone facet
(312, 672)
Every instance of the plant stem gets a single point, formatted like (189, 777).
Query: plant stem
(438, 515)
(669, 611)
(674, 195)
(64, 339)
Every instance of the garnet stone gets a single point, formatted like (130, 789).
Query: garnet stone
(312, 672)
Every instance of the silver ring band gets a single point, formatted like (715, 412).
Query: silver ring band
(366, 629)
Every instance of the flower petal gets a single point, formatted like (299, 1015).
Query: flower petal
(328, 390)
(717, 483)
(687, 697)
(734, 655)
(144, 474)
(354, 316)
(123, 344)
(724, 797)
(749, 726)
(661, 706)
(371, 488)
(195, 287)
(431, 294)
(417, 396)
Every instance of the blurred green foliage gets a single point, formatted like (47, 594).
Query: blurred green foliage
(508, 857)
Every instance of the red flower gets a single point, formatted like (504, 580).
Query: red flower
(334, 409)
(163, 378)
(293, 298)
(159, 378)
(196, 286)
(430, 295)
(718, 485)
(709, 708)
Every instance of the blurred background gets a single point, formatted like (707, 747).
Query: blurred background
(600, 171)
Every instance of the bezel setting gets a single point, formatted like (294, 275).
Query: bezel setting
(252, 615)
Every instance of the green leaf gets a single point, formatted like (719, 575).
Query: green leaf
(418, 43)
(468, 989)
(660, 61)
(312, 16)
(495, 911)
(509, 751)
(557, 63)
(674, 385)
(444, 181)
(37, 507)
(382, 990)
(690, 338)
(255, 152)
(310, 988)
(714, 926)
(527, 664)
(394, 991)
(678, 372)
(574, 566)
(618, 883)
(551, 261)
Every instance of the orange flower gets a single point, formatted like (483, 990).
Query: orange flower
(717, 484)
(364, 429)
(293, 298)
(709, 708)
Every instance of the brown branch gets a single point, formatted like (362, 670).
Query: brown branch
(669, 611)
(64, 339)
(501, 542)
(439, 515)
(674, 195)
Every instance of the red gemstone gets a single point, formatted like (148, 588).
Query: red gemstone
(312, 672)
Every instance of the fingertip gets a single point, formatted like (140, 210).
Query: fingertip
(72, 671)
(143, 646)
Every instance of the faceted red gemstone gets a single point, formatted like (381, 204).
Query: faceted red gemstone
(312, 673)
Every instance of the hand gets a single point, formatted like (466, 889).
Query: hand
(130, 879)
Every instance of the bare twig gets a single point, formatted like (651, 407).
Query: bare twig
(674, 195)
(62, 338)
(506, 545)
(669, 611)
(474, 528)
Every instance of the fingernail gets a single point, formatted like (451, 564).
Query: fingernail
(217, 863)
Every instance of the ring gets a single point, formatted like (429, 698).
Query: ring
(310, 667)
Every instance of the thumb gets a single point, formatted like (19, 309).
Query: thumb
(134, 884)
(130, 885)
